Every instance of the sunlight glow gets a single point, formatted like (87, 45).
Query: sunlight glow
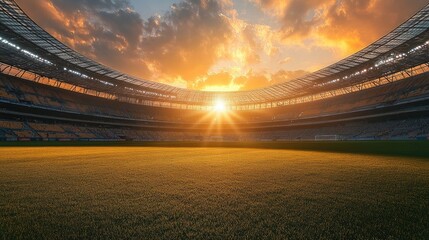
(219, 106)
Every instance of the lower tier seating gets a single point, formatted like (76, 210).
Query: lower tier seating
(402, 129)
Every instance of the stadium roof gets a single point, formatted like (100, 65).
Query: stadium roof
(29, 47)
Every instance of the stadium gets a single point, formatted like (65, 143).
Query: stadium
(52, 95)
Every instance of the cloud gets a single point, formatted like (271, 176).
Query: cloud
(79, 5)
(252, 81)
(284, 76)
(203, 44)
(188, 40)
(345, 25)
(216, 80)
(182, 44)
(181, 47)
(224, 81)
(249, 81)
(285, 60)
(106, 31)
(259, 80)
(354, 24)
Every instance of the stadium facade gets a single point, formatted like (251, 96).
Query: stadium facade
(50, 92)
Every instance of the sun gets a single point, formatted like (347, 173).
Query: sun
(220, 106)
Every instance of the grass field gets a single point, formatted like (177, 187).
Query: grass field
(389, 148)
(169, 193)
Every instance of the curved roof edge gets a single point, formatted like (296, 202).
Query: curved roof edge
(14, 18)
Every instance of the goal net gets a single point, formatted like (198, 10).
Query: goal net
(327, 137)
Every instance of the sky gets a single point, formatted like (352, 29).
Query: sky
(219, 45)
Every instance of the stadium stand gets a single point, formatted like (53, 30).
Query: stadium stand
(380, 92)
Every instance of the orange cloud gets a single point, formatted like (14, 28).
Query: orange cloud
(188, 40)
(224, 81)
(345, 25)
(108, 32)
(184, 47)
(203, 44)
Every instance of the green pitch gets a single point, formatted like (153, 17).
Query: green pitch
(169, 193)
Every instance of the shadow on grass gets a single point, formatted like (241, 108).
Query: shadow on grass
(389, 148)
